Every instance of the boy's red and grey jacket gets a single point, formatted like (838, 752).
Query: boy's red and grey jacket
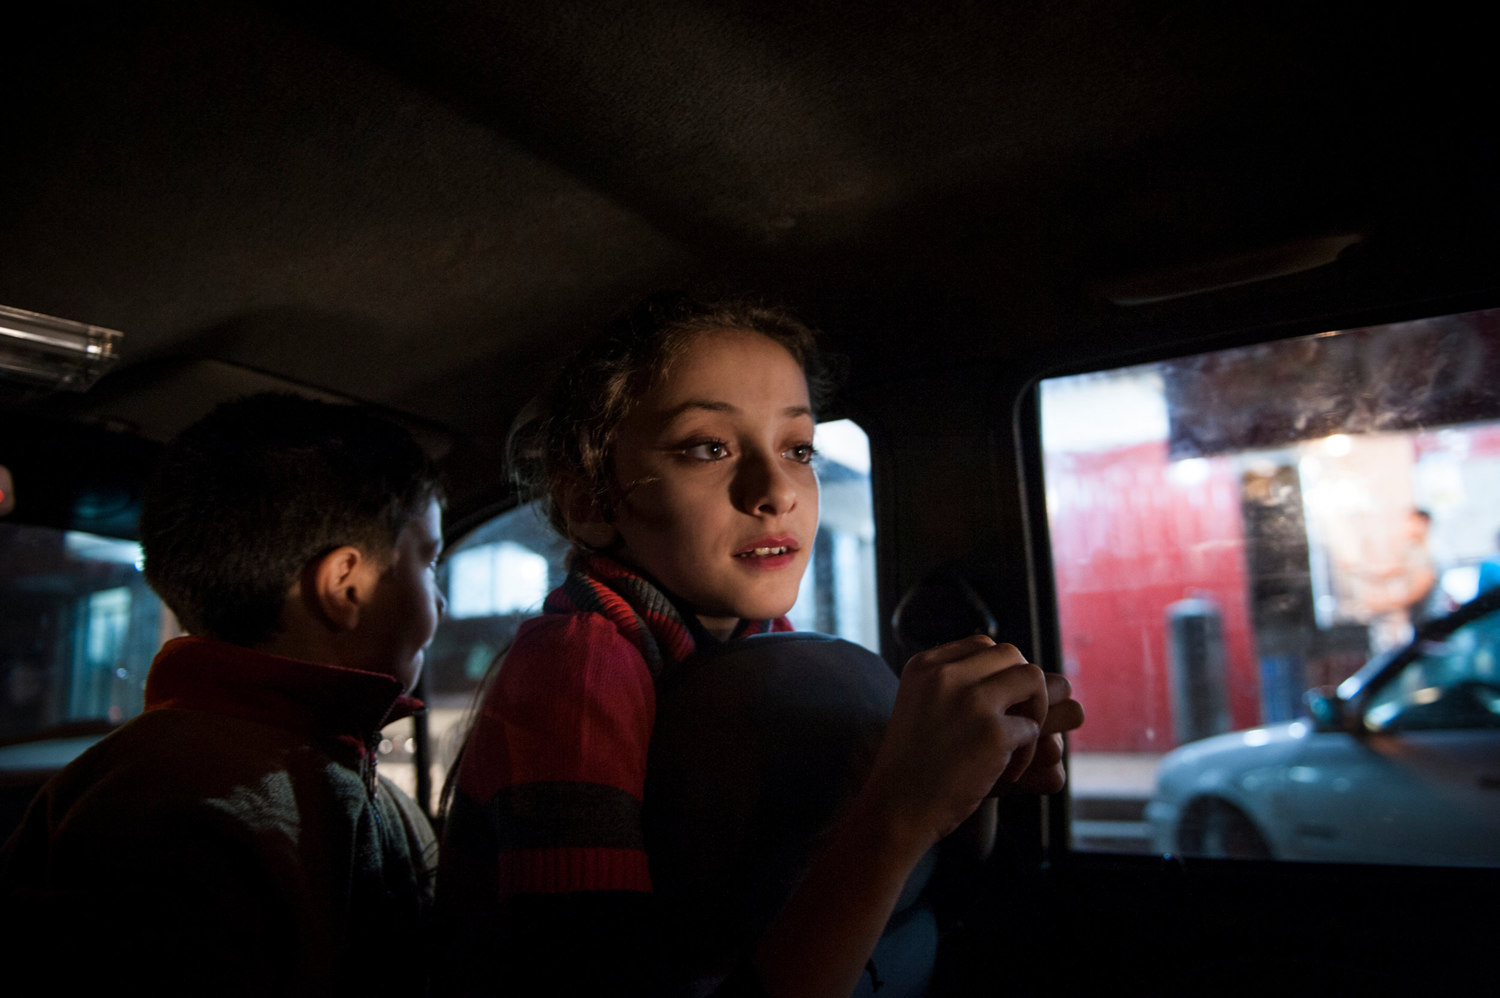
(545, 823)
(233, 838)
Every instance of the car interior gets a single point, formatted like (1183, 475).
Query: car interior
(988, 209)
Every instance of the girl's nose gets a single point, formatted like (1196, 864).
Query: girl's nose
(765, 486)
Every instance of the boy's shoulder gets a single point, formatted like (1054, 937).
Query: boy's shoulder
(171, 761)
(179, 781)
(228, 735)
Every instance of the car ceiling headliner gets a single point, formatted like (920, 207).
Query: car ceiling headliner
(417, 204)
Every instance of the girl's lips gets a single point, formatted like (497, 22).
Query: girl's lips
(768, 553)
(768, 562)
(768, 547)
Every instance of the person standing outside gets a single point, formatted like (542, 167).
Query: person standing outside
(1407, 594)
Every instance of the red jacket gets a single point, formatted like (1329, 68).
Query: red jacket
(232, 839)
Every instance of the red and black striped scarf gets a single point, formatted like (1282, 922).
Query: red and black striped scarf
(665, 633)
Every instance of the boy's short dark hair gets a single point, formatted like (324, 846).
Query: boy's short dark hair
(244, 499)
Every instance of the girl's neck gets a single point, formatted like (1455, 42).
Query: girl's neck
(720, 627)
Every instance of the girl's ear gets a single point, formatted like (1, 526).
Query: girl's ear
(586, 524)
(340, 583)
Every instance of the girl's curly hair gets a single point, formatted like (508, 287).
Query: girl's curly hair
(567, 434)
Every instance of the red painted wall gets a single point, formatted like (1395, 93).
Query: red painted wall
(1128, 541)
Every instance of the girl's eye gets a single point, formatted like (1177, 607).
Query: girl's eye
(802, 453)
(707, 450)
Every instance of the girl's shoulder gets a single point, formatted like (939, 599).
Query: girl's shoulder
(574, 650)
(558, 631)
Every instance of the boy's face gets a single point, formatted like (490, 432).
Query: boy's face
(403, 613)
(721, 502)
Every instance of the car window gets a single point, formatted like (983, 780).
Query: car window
(81, 629)
(498, 575)
(1453, 684)
(1231, 530)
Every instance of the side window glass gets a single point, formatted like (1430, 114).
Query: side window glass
(498, 576)
(1235, 534)
(838, 591)
(81, 629)
(1453, 684)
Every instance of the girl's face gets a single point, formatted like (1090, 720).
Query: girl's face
(721, 502)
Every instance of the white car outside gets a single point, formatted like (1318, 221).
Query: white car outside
(1400, 765)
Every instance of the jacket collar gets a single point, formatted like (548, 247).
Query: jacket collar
(199, 673)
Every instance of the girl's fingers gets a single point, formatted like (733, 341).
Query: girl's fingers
(1017, 695)
(1064, 716)
(1024, 741)
(955, 651)
(970, 716)
(1022, 690)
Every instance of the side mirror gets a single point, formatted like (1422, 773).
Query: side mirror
(1326, 708)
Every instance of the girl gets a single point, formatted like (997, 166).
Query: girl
(675, 454)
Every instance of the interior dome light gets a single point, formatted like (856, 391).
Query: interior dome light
(55, 353)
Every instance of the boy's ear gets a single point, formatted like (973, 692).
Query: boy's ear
(586, 524)
(340, 582)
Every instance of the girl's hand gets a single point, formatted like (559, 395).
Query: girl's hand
(967, 714)
(967, 717)
(1046, 775)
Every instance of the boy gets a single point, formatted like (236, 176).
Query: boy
(235, 838)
